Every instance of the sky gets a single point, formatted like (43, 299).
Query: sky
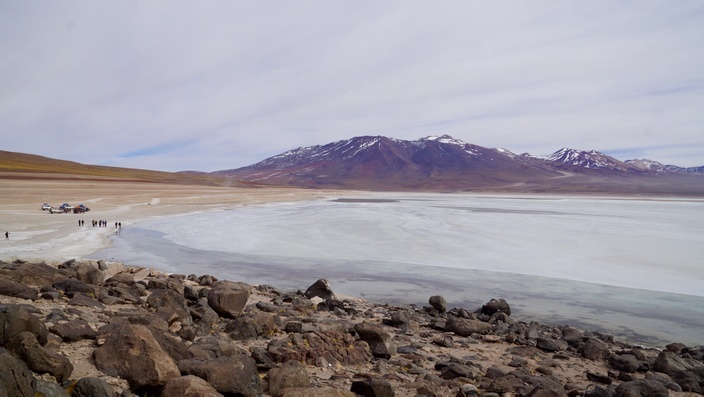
(214, 85)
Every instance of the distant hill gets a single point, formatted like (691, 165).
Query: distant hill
(29, 166)
(442, 163)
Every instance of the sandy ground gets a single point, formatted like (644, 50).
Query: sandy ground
(40, 235)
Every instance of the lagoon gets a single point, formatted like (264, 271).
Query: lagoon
(630, 267)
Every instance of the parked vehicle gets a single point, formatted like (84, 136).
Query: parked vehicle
(56, 210)
(66, 207)
(80, 209)
(46, 207)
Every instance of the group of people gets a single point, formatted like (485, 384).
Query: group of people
(100, 223)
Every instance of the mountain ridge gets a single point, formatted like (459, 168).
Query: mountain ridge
(445, 163)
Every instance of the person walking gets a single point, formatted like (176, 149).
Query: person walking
(7, 235)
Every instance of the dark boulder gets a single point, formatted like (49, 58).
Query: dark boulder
(189, 386)
(131, 352)
(230, 375)
(315, 392)
(79, 299)
(596, 350)
(26, 347)
(627, 363)
(251, 325)
(467, 327)
(216, 345)
(170, 306)
(321, 289)
(228, 298)
(379, 341)
(74, 331)
(496, 306)
(38, 274)
(17, 289)
(641, 388)
(92, 387)
(438, 302)
(457, 370)
(551, 345)
(325, 348)
(290, 374)
(15, 319)
(15, 377)
(71, 285)
(90, 274)
(374, 387)
(686, 372)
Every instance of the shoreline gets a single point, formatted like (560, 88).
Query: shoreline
(337, 344)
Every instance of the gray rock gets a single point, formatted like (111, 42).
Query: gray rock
(686, 372)
(641, 388)
(92, 387)
(551, 345)
(189, 386)
(495, 306)
(268, 307)
(89, 274)
(72, 285)
(74, 330)
(372, 388)
(595, 349)
(627, 363)
(17, 318)
(379, 341)
(216, 345)
(121, 278)
(231, 375)
(290, 374)
(131, 352)
(15, 377)
(228, 299)
(26, 347)
(467, 327)
(315, 392)
(251, 325)
(170, 305)
(324, 348)
(457, 370)
(663, 379)
(321, 289)
(438, 302)
(16, 289)
(46, 388)
(79, 299)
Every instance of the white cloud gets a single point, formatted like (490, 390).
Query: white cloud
(219, 85)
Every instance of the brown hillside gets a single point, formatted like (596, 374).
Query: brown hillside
(28, 166)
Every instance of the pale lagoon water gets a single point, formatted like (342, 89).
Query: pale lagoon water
(629, 267)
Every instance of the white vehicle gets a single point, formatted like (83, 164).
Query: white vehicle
(46, 207)
(56, 210)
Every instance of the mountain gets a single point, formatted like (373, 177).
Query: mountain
(592, 160)
(443, 163)
(654, 166)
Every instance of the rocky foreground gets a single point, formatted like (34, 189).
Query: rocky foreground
(93, 329)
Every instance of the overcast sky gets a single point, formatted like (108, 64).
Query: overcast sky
(216, 85)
